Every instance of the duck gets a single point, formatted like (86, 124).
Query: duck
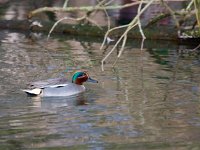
(60, 86)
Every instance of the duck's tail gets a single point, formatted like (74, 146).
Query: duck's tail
(33, 92)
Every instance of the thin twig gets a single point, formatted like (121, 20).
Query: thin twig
(65, 4)
(123, 45)
(139, 23)
(109, 2)
(196, 48)
(93, 22)
(172, 13)
(57, 22)
(84, 8)
(142, 44)
(124, 26)
(108, 18)
(107, 33)
(131, 25)
(190, 5)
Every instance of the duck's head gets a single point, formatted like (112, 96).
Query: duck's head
(80, 77)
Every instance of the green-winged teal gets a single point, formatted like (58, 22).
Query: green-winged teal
(60, 86)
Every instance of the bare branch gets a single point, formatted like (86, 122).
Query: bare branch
(131, 25)
(65, 18)
(139, 23)
(172, 13)
(84, 8)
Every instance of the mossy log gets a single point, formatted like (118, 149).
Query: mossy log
(161, 33)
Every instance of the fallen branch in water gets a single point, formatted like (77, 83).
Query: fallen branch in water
(103, 5)
(183, 14)
(85, 17)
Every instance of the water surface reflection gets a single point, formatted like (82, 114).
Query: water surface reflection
(149, 100)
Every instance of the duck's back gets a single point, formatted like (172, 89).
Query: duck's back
(49, 82)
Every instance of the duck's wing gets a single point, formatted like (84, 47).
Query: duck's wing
(56, 82)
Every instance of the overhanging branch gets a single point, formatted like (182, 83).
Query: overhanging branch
(82, 8)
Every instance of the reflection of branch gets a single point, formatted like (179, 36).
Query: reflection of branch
(142, 44)
(173, 78)
(140, 28)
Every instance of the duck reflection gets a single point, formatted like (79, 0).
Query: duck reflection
(57, 102)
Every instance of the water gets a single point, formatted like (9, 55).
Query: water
(148, 100)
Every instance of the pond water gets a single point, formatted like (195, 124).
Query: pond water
(149, 100)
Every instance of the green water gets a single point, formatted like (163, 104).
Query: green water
(148, 100)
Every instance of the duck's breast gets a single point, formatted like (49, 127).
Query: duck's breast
(66, 90)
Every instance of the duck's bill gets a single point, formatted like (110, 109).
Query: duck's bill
(92, 80)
